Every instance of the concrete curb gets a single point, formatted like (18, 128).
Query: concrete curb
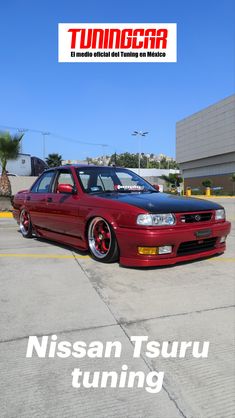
(213, 197)
(6, 215)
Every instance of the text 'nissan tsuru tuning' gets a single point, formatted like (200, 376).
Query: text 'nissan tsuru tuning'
(117, 215)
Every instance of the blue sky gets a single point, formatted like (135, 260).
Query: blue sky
(104, 103)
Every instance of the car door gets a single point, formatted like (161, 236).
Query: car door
(63, 208)
(36, 200)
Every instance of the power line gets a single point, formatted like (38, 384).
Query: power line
(61, 137)
(54, 135)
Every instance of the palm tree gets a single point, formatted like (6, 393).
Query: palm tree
(172, 179)
(54, 160)
(9, 150)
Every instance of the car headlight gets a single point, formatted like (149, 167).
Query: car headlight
(219, 214)
(161, 219)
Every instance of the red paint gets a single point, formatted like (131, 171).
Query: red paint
(64, 217)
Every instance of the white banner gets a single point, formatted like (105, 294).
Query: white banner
(117, 42)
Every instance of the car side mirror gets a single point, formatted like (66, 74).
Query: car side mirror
(65, 188)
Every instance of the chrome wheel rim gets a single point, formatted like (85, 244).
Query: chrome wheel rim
(99, 237)
(24, 222)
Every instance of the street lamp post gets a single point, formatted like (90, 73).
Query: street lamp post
(139, 133)
(21, 131)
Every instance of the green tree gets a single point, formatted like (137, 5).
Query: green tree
(132, 161)
(124, 160)
(9, 150)
(172, 179)
(154, 164)
(54, 160)
(164, 163)
(174, 165)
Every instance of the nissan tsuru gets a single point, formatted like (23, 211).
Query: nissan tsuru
(117, 215)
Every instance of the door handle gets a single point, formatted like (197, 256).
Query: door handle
(28, 198)
(49, 199)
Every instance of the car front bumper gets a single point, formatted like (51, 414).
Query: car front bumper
(130, 239)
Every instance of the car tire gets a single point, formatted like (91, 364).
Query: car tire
(102, 241)
(25, 224)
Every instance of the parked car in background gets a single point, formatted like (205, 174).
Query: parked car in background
(117, 215)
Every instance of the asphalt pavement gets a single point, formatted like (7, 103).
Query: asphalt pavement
(48, 289)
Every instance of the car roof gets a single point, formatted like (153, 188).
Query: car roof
(98, 167)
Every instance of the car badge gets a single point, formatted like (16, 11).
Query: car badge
(197, 218)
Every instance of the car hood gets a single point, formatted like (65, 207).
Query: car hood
(162, 202)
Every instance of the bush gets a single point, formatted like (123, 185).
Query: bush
(196, 192)
(207, 183)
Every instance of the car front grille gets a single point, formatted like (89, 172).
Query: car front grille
(194, 247)
(196, 217)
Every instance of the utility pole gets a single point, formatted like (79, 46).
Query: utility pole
(44, 143)
(21, 131)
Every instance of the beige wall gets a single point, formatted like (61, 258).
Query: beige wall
(21, 183)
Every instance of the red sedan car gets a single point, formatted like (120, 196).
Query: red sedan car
(117, 215)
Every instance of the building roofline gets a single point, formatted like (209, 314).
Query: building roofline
(205, 108)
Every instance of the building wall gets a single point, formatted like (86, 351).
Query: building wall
(224, 181)
(21, 182)
(223, 164)
(207, 133)
(205, 145)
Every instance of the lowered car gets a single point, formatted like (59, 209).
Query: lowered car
(117, 215)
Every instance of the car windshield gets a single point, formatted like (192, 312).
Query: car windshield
(111, 180)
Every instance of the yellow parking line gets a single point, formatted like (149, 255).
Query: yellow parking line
(64, 256)
(202, 196)
(44, 256)
(225, 259)
(6, 215)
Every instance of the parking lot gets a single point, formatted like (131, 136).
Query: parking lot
(48, 289)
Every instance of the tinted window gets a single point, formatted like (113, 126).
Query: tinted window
(105, 179)
(43, 184)
(85, 178)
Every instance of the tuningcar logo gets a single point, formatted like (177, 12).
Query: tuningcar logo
(122, 42)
